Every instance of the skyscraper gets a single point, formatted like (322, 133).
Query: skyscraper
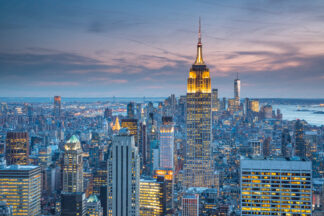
(73, 204)
(256, 146)
(198, 167)
(143, 145)
(276, 187)
(131, 125)
(190, 205)
(20, 188)
(151, 197)
(131, 110)
(73, 166)
(254, 106)
(57, 107)
(17, 148)
(123, 176)
(237, 88)
(266, 147)
(167, 144)
(215, 100)
(300, 148)
(285, 141)
(167, 177)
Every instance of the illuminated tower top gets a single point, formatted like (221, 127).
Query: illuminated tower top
(199, 78)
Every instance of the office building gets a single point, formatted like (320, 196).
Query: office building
(300, 147)
(57, 107)
(123, 176)
(131, 110)
(151, 197)
(17, 148)
(237, 88)
(167, 177)
(93, 206)
(20, 188)
(254, 106)
(215, 100)
(167, 144)
(256, 146)
(131, 125)
(198, 167)
(143, 145)
(73, 166)
(108, 113)
(285, 141)
(100, 178)
(266, 147)
(276, 187)
(190, 205)
(73, 204)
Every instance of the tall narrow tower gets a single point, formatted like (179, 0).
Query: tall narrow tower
(73, 166)
(237, 88)
(123, 176)
(198, 167)
(57, 107)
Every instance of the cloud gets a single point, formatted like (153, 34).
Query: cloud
(49, 83)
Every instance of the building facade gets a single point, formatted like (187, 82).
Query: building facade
(17, 148)
(123, 177)
(198, 167)
(73, 166)
(276, 187)
(20, 188)
(151, 198)
(57, 107)
(167, 145)
(190, 205)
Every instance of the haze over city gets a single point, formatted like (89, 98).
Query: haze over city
(145, 48)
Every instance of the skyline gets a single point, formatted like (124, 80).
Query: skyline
(80, 49)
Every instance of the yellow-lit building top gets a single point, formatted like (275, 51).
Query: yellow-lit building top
(199, 77)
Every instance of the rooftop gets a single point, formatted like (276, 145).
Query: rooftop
(19, 167)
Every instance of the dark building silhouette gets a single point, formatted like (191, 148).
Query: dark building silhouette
(130, 110)
(300, 148)
(108, 113)
(17, 148)
(266, 147)
(73, 204)
(57, 107)
(285, 141)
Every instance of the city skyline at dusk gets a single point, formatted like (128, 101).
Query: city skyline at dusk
(144, 48)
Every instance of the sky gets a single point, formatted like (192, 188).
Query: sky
(130, 48)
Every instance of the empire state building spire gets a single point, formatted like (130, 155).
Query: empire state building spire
(199, 59)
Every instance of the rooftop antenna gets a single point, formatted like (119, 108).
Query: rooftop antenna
(199, 32)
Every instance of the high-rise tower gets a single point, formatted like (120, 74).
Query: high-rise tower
(17, 148)
(198, 168)
(123, 176)
(237, 88)
(300, 148)
(73, 166)
(57, 107)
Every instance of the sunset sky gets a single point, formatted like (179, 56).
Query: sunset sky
(146, 47)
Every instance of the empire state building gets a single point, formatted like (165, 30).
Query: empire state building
(198, 167)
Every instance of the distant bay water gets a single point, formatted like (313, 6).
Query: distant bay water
(291, 108)
(313, 114)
